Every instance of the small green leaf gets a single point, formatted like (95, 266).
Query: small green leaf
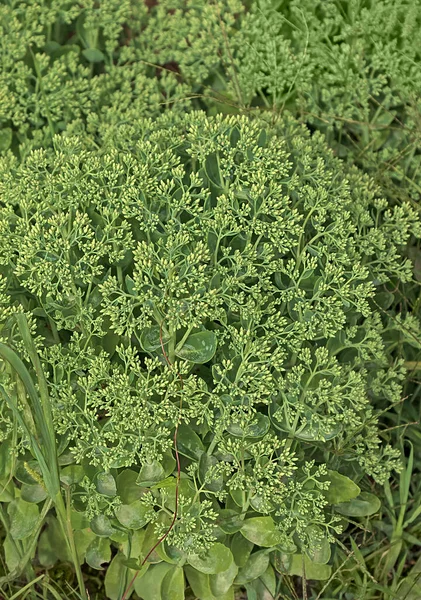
(255, 566)
(199, 583)
(364, 505)
(148, 586)
(11, 554)
(7, 491)
(262, 531)
(199, 348)
(154, 472)
(33, 493)
(189, 443)
(127, 488)
(23, 472)
(98, 553)
(341, 489)
(241, 549)
(23, 518)
(93, 55)
(229, 521)
(268, 580)
(217, 559)
(72, 474)
(131, 285)
(221, 582)
(106, 485)
(133, 516)
(101, 526)
(52, 546)
(6, 459)
(257, 430)
(116, 578)
(301, 565)
(78, 520)
(150, 540)
(172, 587)
(83, 539)
(205, 463)
(319, 550)
(150, 339)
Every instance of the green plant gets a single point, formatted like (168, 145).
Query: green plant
(349, 68)
(78, 66)
(217, 274)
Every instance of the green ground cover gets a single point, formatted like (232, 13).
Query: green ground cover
(210, 266)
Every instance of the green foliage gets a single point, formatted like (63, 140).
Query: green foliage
(348, 68)
(252, 258)
(223, 280)
(78, 66)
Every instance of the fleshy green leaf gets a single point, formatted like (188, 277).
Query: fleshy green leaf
(11, 554)
(150, 338)
(72, 474)
(341, 489)
(205, 463)
(33, 493)
(189, 443)
(116, 579)
(101, 526)
(23, 518)
(217, 559)
(127, 488)
(93, 55)
(199, 348)
(106, 485)
(98, 553)
(255, 566)
(262, 531)
(172, 587)
(148, 586)
(302, 565)
(241, 549)
(221, 582)
(133, 516)
(6, 135)
(364, 505)
(154, 472)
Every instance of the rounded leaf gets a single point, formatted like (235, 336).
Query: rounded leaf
(216, 560)
(255, 566)
(262, 531)
(106, 485)
(150, 339)
(33, 493)
(127, 488)
(148, 585)
(341, 488)
(172, 587)
(199, 348)
(189, 443)
(302, 566)
(364, 505)
(72, 474)
(23, 518)
(221, 582)
(98, 553)
(132, 516)
(101, 526)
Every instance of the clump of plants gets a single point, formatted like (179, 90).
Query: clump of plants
(194, 303)
(349, 69)
(67, 65)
